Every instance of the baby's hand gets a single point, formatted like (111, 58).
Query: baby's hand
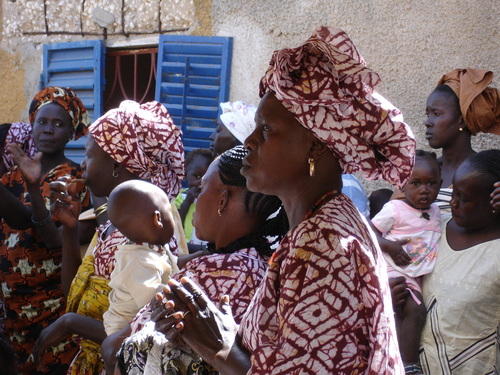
(397, 253)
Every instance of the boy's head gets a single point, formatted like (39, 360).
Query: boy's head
(423, 186)
(197, 162)
(142, 212)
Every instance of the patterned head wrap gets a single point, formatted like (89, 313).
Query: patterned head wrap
(66, 98)
(19, 132)
(144, 139)
(479, 104)
(239, 119)
(331, 92)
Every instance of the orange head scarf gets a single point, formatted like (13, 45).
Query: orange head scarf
(479, 103)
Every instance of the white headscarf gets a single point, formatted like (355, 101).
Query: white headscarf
(239, 118)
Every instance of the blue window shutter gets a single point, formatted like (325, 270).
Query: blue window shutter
(79, 65)
(193, 78)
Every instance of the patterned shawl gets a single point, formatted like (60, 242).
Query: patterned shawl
(144, 139)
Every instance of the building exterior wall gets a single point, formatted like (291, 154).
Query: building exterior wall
(409, 43)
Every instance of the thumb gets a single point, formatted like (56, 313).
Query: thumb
(404, 241)
(224, 305)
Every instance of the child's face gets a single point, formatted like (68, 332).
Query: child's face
(196, 170)
(423, 186)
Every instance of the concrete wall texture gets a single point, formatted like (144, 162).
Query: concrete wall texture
(409, 43)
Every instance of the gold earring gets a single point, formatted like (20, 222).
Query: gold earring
(311, 167)
(461, 129)
(219, 211)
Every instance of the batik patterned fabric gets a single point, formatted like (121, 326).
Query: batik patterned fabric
(238, 275)
(331, 92)
(20, 133)
(88, 296)
(324, 306)
(30, 276)
(144, 139)
(463, 304)
(479, 103)
(239, 118)
(66, 98)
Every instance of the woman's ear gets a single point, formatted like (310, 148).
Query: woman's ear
(157, 219)
(223, 201)
(318, 149)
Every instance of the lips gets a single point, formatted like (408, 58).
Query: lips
(428, 135)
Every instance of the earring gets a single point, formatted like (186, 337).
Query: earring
(219, 211)
(311, 167)
(114, 173)
(460, 129)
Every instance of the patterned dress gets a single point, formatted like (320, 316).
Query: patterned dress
(30, 276)
(237, 275)
(325, 305)
(88, 296)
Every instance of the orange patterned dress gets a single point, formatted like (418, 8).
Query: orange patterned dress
(30, 277)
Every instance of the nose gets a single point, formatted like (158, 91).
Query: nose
(427, 123)
(83, 165)
(212, 136)
(250, 141)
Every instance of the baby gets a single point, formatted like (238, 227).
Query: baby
(142, 212)
(414, 224)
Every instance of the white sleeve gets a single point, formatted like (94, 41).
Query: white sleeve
(385, 219)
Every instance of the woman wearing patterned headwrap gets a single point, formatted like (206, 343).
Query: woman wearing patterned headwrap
(30, 239)
(324, 306)
(130, 142)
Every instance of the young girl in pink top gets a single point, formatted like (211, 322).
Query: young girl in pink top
(413, 226)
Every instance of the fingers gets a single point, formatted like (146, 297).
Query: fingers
(188, 294)
(495, 197)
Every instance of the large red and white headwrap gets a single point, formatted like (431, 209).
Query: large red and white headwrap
(331, 92)
(144, 139)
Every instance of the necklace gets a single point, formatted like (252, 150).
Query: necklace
(321, 201)
(425, 215)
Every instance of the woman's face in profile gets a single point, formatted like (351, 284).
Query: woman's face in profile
(222, 140)
(97, 169)
(278, 149)
(205, 216)
(470, 201)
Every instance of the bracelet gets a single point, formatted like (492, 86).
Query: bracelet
(48, 219)
(101, 209)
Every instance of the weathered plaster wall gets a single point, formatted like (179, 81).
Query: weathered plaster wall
(410, 44)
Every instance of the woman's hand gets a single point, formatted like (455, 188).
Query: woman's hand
(50, 336)
(31, 169)
(64, 201)
(191, 316)
(495, 197)
(399, 292)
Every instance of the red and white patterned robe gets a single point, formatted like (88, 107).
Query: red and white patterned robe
(325, 305)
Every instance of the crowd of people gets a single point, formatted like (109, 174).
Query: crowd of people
(272, 259)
